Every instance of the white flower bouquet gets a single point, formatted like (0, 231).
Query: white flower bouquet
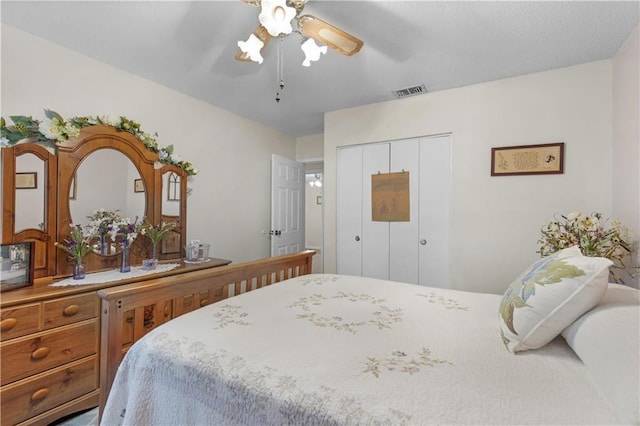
(123, 230)
(595, 237)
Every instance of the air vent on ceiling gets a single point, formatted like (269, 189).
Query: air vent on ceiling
(410, 91)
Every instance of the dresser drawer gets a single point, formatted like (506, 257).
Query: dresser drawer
(42, 351)
(35, 395)
(19, 321)
(68, 310)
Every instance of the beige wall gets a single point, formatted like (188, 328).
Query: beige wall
(495, 220)
(626, 140)
(310, 148)
(230, 202)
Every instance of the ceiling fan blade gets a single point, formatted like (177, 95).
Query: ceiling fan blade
(325, 33)
(264, 36)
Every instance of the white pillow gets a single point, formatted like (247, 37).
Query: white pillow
(607, 340)
(550, 295)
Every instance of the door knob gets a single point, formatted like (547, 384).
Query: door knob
(357, 237)
(423, 242)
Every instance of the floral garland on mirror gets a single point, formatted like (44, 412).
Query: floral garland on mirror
(55, 129)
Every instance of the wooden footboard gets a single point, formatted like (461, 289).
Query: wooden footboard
(130, 311)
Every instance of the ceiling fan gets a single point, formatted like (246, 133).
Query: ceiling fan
(276, 18)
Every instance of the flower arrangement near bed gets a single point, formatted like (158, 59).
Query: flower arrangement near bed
(594, 236)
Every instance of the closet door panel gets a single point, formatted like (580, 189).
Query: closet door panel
(375, 235)
(435, 201)
(349, 203)
(403, 236)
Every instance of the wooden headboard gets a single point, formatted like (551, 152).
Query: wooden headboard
(130, 311)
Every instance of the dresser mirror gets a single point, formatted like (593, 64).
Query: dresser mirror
(31, 182)
(101, 168)
(106, 179)
(173, 192)
(29, 203)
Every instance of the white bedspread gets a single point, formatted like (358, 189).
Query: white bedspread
(332, 350)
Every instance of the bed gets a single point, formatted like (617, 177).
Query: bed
(336, 350)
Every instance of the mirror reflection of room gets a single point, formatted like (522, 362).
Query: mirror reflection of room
(30, 200)
(105, 179)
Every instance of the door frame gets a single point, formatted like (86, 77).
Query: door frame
(317, 166)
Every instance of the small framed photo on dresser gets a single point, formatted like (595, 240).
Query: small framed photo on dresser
(16, 269)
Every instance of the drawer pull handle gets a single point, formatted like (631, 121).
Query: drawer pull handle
(40, 353)
(71, 310)
(8, 323)
(40, 394)
(203, 302)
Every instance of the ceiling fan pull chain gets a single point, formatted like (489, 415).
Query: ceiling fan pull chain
(280, 67)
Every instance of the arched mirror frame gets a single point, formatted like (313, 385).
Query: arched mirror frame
(70, 156)
(45, 250)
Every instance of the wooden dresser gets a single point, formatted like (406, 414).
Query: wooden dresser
(50, 336)
(50, 348)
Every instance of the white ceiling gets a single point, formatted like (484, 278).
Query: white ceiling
(190, 46)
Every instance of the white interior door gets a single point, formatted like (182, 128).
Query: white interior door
(435, 201)
(287, 206)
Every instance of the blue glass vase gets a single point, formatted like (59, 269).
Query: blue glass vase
(79, 270)
(104, 248)
(151, 263)
(125, 265)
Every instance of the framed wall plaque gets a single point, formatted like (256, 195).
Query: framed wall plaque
(27, 180)
(138, 185)
(390, 197)
(528, 160)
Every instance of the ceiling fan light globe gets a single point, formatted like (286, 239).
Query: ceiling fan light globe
(276, 17)
(252, 48)
(312, 51)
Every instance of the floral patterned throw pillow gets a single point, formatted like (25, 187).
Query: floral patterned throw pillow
(550, 295)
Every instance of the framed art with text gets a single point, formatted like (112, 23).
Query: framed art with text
(528, 159)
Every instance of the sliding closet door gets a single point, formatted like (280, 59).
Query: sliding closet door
(414, 251)
(349, 219)
(435, 201)
(403, 236)
(375, 235)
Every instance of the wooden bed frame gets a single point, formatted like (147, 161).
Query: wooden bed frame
(130, 311)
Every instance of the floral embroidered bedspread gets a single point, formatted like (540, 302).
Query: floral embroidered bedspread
(341, 350)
